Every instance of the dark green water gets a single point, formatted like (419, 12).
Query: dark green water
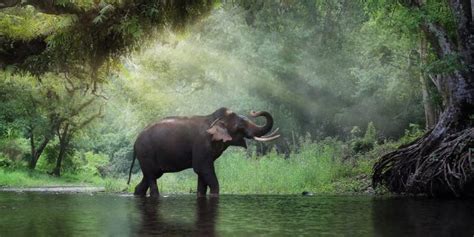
(47, 214)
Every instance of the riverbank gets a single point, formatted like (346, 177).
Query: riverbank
(27, 181)
(57, 189)
(25, 178)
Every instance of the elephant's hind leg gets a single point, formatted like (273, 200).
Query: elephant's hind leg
(154, 186)
(141, 188)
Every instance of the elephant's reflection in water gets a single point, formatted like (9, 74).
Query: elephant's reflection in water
(154, 221)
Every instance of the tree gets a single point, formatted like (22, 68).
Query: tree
(70, 44)
(438, 163)
(75, 117)
(46, 108)
(27, 107)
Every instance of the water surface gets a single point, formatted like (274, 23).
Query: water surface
(49, 214)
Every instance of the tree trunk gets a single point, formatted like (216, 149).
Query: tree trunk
(64, 139)
(431, 116)
(36, 152)
(439, 162)
(62, 151)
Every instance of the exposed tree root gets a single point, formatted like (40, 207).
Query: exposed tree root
(432, 165)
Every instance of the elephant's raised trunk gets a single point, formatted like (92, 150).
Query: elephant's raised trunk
(258, 132)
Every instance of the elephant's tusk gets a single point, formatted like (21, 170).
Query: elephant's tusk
(266, 139)
(271, 134)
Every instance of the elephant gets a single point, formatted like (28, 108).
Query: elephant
(177, 143)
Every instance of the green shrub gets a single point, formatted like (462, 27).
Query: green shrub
(93, 164)
(5, 161)
(366, 143)
(47, 160)
(413, 132)
(14, 149)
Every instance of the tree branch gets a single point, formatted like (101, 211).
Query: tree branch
(100, 25)
(439, 39)
(81, 107)
(90, 119)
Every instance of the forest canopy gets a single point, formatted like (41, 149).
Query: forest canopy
(86, 76)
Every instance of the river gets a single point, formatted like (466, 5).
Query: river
(82, 214)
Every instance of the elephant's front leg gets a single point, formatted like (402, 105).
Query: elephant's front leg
(211, 180)
(203, 166)
(207, 178)
(201, 187)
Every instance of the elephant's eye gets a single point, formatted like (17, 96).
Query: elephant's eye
(241, 125)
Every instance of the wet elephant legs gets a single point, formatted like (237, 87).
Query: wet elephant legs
(207, 179)
(141, 188)
(202, 187)
(153, 186)
(148, 182)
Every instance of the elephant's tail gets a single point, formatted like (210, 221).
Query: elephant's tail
(131, 167)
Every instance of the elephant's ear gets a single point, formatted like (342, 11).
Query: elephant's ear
(219, 133)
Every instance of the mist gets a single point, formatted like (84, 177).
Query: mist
(318, 75)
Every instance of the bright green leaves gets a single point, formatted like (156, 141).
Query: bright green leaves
(130, 28)
(26, 23)
(398, 15)
(104, 13)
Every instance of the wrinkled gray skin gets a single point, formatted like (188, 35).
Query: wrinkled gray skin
(177, 143)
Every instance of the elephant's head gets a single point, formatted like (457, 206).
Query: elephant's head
(229, 127)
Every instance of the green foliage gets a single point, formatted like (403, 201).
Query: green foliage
(365, 143)
(5, 162)
(93, 164)
(14, 149)
(370, 134)
(413, 132)
(26, 23)
(48, 159)
(83, 36)
(31, 178)
(448, 64)
(399, 15)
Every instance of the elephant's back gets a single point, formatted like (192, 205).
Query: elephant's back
(169, 130)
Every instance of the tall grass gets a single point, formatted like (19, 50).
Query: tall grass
(317, 167)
